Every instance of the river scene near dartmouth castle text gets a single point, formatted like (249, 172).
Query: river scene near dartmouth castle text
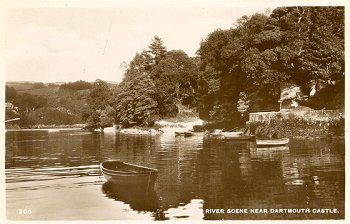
(55, 176)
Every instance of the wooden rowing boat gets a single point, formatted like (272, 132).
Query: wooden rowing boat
(272, 142)
(122, 173)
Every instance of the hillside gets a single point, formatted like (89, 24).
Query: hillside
(39, 103)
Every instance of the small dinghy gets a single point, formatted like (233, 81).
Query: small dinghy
(272, 142)
(122, 173)
(232, 134)
(240, 138)
(184, 133)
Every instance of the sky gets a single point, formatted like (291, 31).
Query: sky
(66, 43)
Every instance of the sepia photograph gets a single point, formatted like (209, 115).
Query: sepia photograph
(179, 111)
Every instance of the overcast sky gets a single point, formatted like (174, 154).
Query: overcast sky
(51, 44)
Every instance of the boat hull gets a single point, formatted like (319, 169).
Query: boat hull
(272, 142)
(185, 133)
(240, 138)
(130, 174)
(232, 134)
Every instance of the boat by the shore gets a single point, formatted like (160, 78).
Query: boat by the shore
(215, 134)
(225, 134)
(272, 142)
(240, 138)
(233, 134)
(183, 133)
(122, 173)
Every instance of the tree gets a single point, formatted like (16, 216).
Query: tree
(98, 100)
(99, 96)
(220, 56)
(315, 36)
(107, 117)
(10, 93)
(78, 85)
(175, 78)
(28, 102)
(157, 49)
(261, 53)
(156, 83)
(134, 100)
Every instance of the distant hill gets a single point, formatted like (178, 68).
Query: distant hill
(20, 86)
(29, 85)
(64, 102)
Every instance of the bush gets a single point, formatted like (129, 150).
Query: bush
(38, 85)
(50, 116)
(198, 128)
(337, 127)
(78, 85)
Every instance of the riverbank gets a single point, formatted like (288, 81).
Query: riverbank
(42, 126)
(161, 126)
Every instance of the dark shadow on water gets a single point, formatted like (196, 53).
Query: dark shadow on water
(139, 198)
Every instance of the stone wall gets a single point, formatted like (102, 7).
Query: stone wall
(292, 123)
(307, 115)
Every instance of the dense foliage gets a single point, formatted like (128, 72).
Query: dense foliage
(97, 111)
(261, 54)
(78, 85)
(48, 105)
(10, 93)
(157, 83)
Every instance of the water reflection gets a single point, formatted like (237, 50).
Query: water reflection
(44, 149)
(195, 173)
(138, 198)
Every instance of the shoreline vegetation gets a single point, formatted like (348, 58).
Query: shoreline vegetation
(277, 128)
(290, 58)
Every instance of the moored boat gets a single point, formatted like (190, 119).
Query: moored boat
(183, 133)
(188, 134)
(232, 134)
(226, 134)
(272, 142)
(215, 134)
(122, 173)
(240, 138)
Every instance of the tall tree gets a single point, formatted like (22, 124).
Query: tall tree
(157, 49)
(135, 102)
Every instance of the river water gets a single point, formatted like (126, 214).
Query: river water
(55, 176)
